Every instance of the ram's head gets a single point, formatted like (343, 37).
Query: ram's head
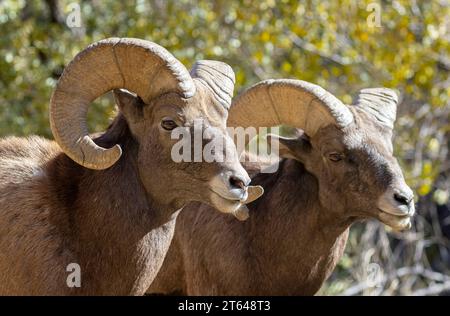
(163, 97)
(347, 148)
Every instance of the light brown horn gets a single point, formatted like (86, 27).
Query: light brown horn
(381, 103)
(218, 76)
(290, 102)
(139, 66)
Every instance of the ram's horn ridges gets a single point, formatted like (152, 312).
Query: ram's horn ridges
(218, 76)
(139, 66)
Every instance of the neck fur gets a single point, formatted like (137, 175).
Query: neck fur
(116, 232)
(303, 233)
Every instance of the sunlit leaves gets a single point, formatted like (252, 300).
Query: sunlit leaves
(326, 42)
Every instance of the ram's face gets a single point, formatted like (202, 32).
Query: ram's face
(358, 173)
(347, 148)
(164, 98)
(175, 162)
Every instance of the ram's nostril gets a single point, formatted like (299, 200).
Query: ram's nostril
(400, 198)
(235, 182)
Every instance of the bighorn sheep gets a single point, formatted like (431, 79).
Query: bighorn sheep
(109, 205)
(341, 170)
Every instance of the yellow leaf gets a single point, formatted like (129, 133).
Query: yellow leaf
(265, 36)
(286, 66)
(426, 169)
(258, 56)
(424, 189)
(347, 99)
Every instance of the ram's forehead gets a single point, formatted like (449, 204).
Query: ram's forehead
(204, 105)
(354, 138)
(366, 136)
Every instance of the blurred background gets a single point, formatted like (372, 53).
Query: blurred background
(341, 45)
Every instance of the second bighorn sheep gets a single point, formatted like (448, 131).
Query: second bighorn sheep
(341, 169)
(108, 205)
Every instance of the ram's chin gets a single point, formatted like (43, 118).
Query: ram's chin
(396, 222)
(225, 206)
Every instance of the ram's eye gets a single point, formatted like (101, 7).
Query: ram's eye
(335, 157)
(168, 124)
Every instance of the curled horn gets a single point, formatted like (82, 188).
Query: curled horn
(290, 102)
(139, 66)
(218, 76)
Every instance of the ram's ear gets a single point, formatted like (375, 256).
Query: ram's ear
(296, 147)
(380, 103)
(130, 105)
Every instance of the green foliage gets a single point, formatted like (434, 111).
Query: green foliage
(326, 42)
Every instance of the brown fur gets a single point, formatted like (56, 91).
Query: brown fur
(297, 231)
(117, 224)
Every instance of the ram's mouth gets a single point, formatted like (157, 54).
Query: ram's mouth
(226, 203)
(395, 212)
(395, 221)
(235, 204)
(233, 195)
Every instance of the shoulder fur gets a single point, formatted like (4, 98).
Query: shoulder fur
(22, 158)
